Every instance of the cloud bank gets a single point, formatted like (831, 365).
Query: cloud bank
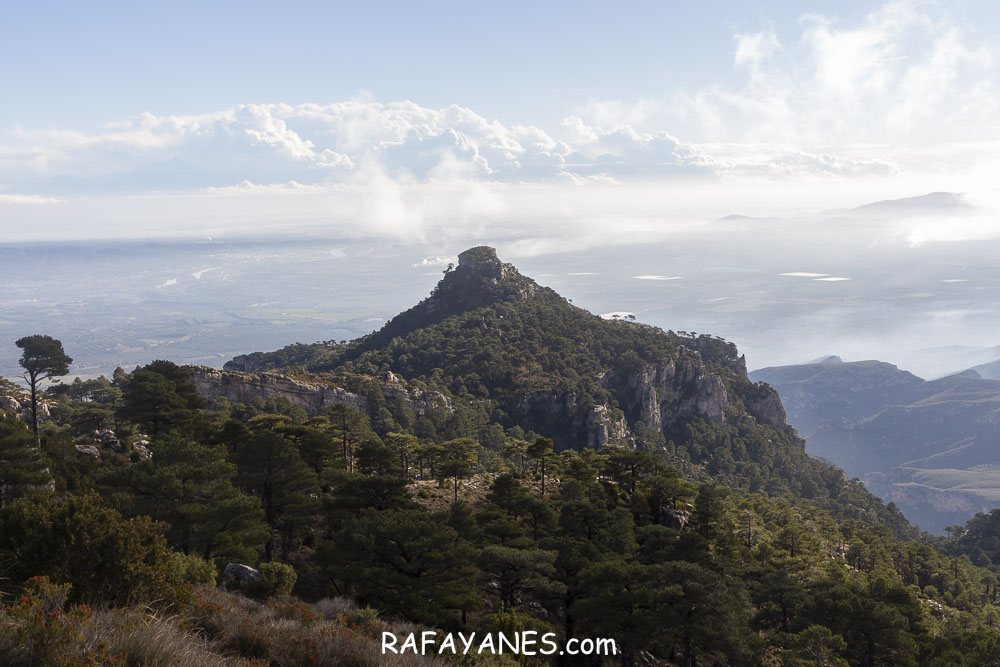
(899, 101)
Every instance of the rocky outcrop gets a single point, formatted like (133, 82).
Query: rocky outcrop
(141, 451)
(10, 404)
(765, 406)
(105, 438)
(604, 426)
(21, 406)
(313, 397)
(563, 414)
(672, 391)
(88, 450)
(673, 518)
(237, 576)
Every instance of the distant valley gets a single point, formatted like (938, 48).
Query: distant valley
(931, 447)
(779, 287)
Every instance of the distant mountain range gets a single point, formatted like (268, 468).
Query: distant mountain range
(934, 201)
(929, 446)
(937, 203)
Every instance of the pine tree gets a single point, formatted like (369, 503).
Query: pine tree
(269, 467)
(43, 358)
(190, 487)
(21, 465)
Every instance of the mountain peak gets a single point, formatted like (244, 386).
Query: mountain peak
(482, 261)
(480, 256)
(479, 280)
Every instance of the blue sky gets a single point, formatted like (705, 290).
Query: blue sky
(88, 63)
(113, 111)
(85, 64)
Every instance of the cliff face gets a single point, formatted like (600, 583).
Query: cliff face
(512, 337)
(814, 393)
(766, 408)
(920, 496)
(312, 397)
(673, 391)
(665, 395)
(563, 413)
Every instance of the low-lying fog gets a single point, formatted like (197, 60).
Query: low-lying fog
(911, 281)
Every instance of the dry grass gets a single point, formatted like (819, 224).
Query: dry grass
(151, 641)
(293, 633)
(219, 629)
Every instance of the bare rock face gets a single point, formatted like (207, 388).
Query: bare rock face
(21, 406)
(672, 391)
(237, 575)
(10, 404)
(482, 259)
(555, 411)
(766, 408)
(604, 427)
(312, 397)
(672, 518)
(105, 438)
(140, 448)
(88, 451)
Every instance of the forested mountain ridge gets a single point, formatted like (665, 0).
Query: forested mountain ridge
(419, 479)
(491, 337)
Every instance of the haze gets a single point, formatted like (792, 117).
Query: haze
(303, 176)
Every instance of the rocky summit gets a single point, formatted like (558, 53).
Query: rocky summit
(491, 346)
(513, 319)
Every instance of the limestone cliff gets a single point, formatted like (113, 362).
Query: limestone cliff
(673, 391)
(562, 413)
(213, 384)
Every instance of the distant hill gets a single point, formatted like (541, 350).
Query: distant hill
(491, 338)
(831, 389)
(934, 201)
(989, 371)
(929, 446)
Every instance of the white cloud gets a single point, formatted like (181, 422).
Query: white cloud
(30, 200)
(436, 261)
(902, 89)
(901, 101)
(904, 73)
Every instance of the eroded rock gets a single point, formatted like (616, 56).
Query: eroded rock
(313, 397)
(88, 450)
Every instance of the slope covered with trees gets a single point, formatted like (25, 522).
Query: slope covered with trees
(698, 532)
(520, 355)
(454, 533)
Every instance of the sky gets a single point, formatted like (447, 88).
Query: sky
(722, 143)
(420, 121)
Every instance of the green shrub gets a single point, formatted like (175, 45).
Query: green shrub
(77, 540)
(193, 569)
(363, 618)
(277, 580)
